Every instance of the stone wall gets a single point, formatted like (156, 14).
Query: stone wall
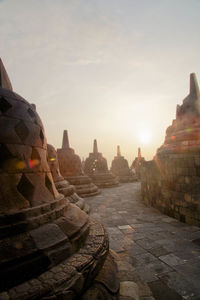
(172, 184)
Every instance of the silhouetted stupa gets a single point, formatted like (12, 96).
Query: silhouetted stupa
(96, 167)
(120, 168)
(71, 169)
(49, 248)
(137, 164)
(170, 182)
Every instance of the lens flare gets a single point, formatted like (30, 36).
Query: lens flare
(52, 159)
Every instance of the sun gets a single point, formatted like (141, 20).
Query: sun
(145, 136)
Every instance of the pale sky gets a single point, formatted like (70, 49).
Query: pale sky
(113, 70)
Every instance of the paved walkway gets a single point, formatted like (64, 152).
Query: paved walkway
(153, 250)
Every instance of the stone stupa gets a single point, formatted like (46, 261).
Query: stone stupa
(171, 181)
(62, 185)
(97, 168)
(49, 248)
(120, 168)
(71, 169)
(137, 164)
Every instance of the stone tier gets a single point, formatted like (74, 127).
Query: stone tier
(72, 278)
(84, 185)
(37, 239)
(104, 179)
(62, 185)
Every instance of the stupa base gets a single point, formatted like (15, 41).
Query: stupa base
(84, 185)
(105, 179)
(68, 191)
(87, 274)
(127, 178)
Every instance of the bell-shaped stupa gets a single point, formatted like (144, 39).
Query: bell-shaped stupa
(170, 182)
(49, 248)
(183, 135)
(62, 185)
(71, 169)
(137, 164)
(120, 168)
(97, 168)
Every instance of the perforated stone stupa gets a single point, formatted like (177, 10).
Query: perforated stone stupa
(97, 168)
(62, 185)
(49, 248)
(71, 169)
(171, 181)
(137, 164)
(120, 168)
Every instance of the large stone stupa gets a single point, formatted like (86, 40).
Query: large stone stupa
(97, 168)
(71, 169)
(171, 181)
(49, 248)
(120, 168)
(62, 185)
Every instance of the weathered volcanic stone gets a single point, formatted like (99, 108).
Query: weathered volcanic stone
(120, 168)
(71, 170)
(171, 181)
(62, 185)
(49, 248)
(96, 167)
(137, 164)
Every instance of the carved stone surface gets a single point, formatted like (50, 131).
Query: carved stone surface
(120, 168)
(49, 248)
(137, 164)
(171, 182)
(96, 167)
(62, 184)
(71, 169)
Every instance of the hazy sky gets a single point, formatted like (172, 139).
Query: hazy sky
(113, 70)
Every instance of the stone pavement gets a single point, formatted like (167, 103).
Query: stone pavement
(158, 256)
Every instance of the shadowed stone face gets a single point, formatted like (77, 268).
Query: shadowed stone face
(25, 178)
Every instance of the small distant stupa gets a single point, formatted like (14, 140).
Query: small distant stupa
(97, 168)
(137, 163)
(121, 169)
(71, 169)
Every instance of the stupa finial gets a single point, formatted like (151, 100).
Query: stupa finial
(95, 148)
(4, 79)
(194, 88)
(65, 142)
(118, 151)
(139, 152)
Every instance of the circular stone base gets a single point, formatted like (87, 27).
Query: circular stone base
(84, 185)
(90, 271)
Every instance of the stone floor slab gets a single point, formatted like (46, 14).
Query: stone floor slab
(154, 250)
